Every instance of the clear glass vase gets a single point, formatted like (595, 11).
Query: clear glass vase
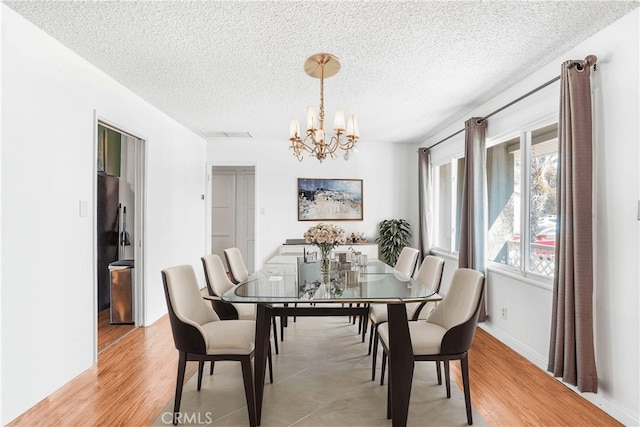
(325, 262)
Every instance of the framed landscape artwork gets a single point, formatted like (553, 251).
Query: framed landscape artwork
(329, 199)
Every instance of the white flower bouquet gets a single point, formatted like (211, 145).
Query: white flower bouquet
(325, 237)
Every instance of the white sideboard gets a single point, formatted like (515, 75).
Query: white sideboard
(368, 249)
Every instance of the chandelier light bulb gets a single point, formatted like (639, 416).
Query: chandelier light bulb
(356, 133)
(312, 119)
(294, 129)
(338, 120)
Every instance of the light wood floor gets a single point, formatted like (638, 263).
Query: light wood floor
(135, 378)
(108, 333)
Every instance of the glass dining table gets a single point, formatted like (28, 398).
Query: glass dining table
(281, 288)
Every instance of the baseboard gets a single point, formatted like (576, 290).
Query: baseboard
(516, 345)
(620, 414)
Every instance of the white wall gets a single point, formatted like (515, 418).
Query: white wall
(616, 95)
(50, 101)
(383, 168)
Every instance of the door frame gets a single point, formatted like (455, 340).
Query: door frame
(139, 221)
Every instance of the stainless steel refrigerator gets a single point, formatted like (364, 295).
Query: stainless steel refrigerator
(108, 231)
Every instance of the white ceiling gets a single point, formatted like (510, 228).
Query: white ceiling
(237, 66)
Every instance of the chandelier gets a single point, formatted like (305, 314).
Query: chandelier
(319, 66)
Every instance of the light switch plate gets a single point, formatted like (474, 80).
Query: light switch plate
(84, 208)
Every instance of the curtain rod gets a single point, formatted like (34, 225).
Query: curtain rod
(531, 92)
(588, 61)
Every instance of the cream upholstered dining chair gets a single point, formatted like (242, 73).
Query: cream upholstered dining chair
(239, 273)
(407, 260)
(237, 267)
(218, 283)
(199, 334)
(405, 264)
(448, 332)
(430, 275)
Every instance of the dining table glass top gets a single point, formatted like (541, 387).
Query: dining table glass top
(376, 282)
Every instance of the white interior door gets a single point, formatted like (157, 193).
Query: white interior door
(223, 211)
(233, 211)
(245, 214)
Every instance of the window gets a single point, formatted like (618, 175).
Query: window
(521, 184)
(503, 190)
(447, 185)
(543, 207)
(443, 185)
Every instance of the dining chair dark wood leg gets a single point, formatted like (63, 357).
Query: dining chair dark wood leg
(275, 334)
(447, 378)
(374, 358)
(200, 369)
(182, 364)
(464, 368)
(372, 331)
(383, 367)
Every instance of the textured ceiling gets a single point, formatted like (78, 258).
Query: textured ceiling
(237, 66)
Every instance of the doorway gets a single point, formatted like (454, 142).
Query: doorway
(119, 196)
(233, 211)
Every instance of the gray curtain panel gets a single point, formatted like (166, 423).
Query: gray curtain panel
(425, 213)
(473, 223)
(571, 350)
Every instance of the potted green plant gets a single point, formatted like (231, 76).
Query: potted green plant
(394, 235)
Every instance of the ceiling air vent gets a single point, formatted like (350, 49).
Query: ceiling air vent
(229, 135)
